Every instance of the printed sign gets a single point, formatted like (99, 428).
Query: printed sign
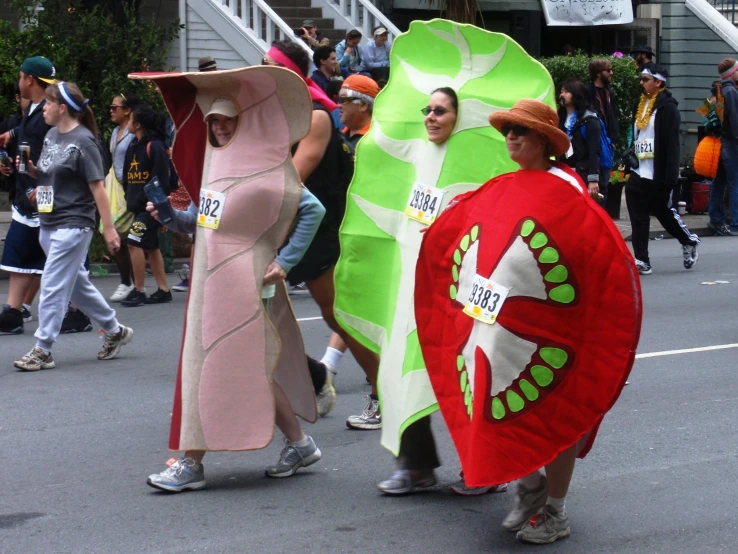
(577, 13)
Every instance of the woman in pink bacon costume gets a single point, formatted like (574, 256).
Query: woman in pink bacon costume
(242, 367)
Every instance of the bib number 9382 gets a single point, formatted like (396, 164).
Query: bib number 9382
(211, 208)
(485, 300)
(424, 203)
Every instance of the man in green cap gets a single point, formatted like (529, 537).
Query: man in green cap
(23, 256)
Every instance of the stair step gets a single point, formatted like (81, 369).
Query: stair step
(292, 4)
(322, 23)
(303, 13)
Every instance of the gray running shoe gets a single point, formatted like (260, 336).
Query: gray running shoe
(689, 251)
(35, 360)
(461, 488)
(326, 399)
(719, 230)
(112, 344)
(527, 503)
(405, 481)
(293, 458)
(369, 419)
(545, 527)
(182, 474)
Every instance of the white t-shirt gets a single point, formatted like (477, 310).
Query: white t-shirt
(643, 144)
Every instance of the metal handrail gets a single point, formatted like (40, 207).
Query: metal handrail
(727, 8)
(371, 16)
(260, 20)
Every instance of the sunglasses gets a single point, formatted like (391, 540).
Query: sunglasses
(518, 130)
(265, 62)
(113, 107)
(645, 79)
(438, 112)
(347, 100)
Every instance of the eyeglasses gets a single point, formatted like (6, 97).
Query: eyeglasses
(347, 100)
(518, 130)
(113, 107)
(438, 112)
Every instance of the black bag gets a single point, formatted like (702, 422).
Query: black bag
(629, 159)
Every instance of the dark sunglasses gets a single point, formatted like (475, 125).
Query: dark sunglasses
(438, 112)
(645, 79)
(113, 107)
(265, 62)
(347, 100)
(519, 130)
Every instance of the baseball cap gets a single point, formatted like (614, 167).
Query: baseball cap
(223, 105)
(39, 67)
(380, 31)
(308, 23)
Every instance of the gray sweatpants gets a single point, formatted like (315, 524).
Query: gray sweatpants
(65, 278)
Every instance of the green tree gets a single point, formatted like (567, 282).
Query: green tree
(94, 43)
(625, 85)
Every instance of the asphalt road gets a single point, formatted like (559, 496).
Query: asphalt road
(77, 443)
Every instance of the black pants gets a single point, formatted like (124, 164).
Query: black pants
(643, 199)
(317, 373)
(418, 447)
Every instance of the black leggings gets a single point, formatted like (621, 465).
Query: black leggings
(418, 447)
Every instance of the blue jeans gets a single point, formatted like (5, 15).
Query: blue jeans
(727, 173)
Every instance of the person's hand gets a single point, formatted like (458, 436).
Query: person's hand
(32, 197)
(4, 139)
(424, 230)
(152, 210)
(274, 274)
(349, 50)
(112, 239)
(594, 189)
(352, 69)
(30, 167)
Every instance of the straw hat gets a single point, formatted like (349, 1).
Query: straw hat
(537, 116)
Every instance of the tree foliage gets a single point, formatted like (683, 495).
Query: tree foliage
(94, 43)
(625, 85)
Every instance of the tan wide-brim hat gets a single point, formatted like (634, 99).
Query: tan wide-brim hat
(538, 117)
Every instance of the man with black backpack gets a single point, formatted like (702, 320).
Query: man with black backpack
(602, 101)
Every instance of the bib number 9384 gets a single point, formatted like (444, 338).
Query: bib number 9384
(211, 208)
(424, 203)
(485, 300)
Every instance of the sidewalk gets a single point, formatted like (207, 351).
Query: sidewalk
(696, 223)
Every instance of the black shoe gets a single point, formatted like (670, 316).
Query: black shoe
(159, 297)
(75, 322)
(11, 321)
(134, 298)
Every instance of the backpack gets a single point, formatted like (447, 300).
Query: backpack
(607, 159)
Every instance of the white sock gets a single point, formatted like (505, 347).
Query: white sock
(302, 443)
(27, 307)
(558, 504)
(332, 357)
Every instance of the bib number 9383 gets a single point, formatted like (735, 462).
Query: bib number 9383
(424, 203)
(211, 208)
(485, 300)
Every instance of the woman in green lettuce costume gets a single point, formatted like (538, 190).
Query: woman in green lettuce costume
(398, 159)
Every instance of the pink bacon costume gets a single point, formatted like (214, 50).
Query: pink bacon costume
(232, 348)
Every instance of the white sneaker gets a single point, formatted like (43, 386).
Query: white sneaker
(526, 505)
(121, 292)
(325, 399)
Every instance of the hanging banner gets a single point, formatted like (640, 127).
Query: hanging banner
(578, 13)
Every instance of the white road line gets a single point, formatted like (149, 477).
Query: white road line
(686, 351)
(638, 356)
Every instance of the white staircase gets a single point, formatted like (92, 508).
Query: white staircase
(719, 16)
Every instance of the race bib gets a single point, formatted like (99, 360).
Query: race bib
(45, 199)
(486, 300)
(643, 149)
(211, 208)
(424, 203)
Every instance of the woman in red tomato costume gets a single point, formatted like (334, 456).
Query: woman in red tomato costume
(529, 319)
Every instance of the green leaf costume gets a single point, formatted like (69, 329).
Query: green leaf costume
(375, 277)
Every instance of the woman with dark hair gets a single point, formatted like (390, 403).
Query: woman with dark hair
(146, 159)
(120, 113)
(583, 128)
(70, 187)
(326, 172)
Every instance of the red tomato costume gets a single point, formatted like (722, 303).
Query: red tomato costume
(562, 314)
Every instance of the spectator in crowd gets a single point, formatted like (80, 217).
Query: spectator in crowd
(642, 55)
(356, 100)
(652, 180)
(334, 88)
(348, 53)
(324, 59)
(727, 173)
(207, 63)
(377, 56)
(602, 102)
(583, 128)
(312, 36)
